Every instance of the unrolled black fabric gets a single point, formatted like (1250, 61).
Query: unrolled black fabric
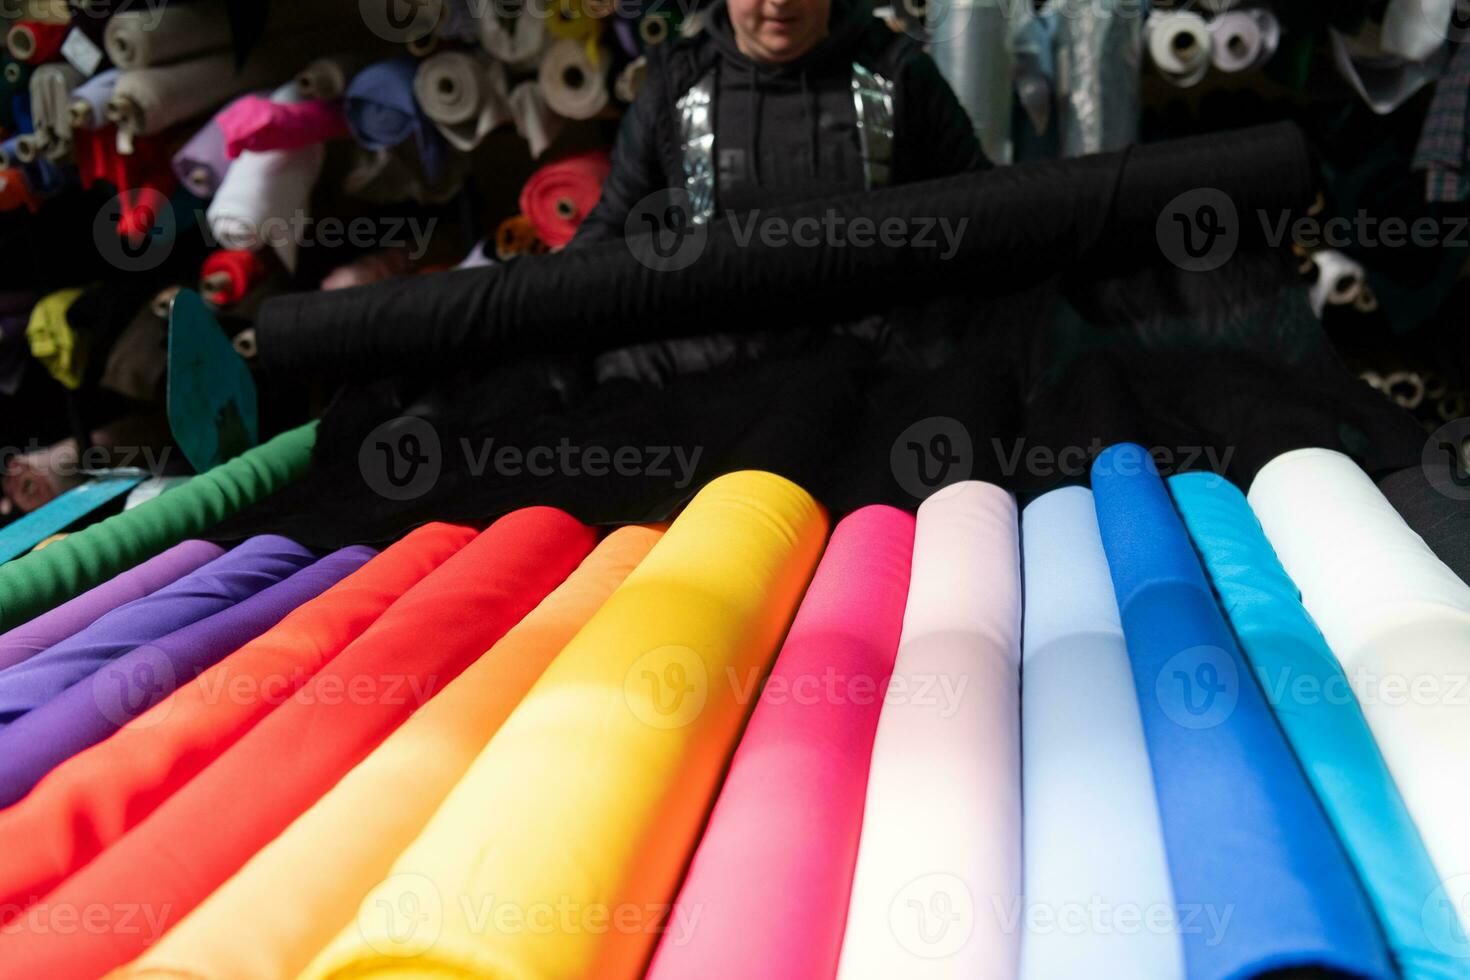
(1023, 224)
(1438, 514)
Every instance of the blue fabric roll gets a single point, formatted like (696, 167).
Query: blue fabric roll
(1310, 695)
(1094, 854)
(382, 112)
(258, 563)
(1261, 880)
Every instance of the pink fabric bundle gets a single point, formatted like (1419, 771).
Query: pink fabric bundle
(770, 881)
(255, 123)
(560, 195)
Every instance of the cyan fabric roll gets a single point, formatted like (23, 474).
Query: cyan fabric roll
(1315, 705)
(1260, 878)
(968, 39)
(1094, 846)
(1398, 621)
(260, 562)
(92, 709)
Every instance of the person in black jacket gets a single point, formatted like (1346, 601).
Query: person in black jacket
(776, 101)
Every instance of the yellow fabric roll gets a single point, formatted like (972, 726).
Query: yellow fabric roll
(557, 857)
(52, 340)
(281, 908)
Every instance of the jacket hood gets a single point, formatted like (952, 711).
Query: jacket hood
(849, 20)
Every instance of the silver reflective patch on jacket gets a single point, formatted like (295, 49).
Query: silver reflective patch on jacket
(697, 146)
(872, 96)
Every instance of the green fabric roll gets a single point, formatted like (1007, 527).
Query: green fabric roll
(36, 582)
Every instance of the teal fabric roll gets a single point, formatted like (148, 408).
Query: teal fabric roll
(1311, 698)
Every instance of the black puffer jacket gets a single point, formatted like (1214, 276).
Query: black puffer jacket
(785, 132)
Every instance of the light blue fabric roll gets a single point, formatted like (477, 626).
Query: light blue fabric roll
(1310, 695)
(1096, 878)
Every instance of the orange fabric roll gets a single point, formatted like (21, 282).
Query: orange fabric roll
(91, 800)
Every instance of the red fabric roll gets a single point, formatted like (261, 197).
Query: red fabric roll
(560, 195)
(90, 801)
(143, 178)
(44, 40)
(202, 834)
(238, 271)
(15, 192)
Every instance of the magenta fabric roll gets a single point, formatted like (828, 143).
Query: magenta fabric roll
(86, 713)
(770, 880)
(257, 124)
(72, 617)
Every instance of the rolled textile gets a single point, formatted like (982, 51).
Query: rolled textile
(516, 235)
(37, 582)
(1441, 520)
(382, 113)
(88, 106)
(1340, 280)
(1382, 79)
(572, 81)
(1241, 40)
(141, 38)
(90, 801)
(1099, 52)
(1310, 696)
(35, 42)
(1416, 29)
(1180, 46)
(969, 46)
(201, 163)
(777, 856)
(464, 95)
(1023, 225)
(942, 830)
(334, 721)
(559, 195)
(52, 340)
(703, 612)
(15, 192)
(327, 78)
(41, 525)
(517, 41)
(71, 617)
(149, 100)
(535, 121)
(51, 88)
(236, 575)
(95, 707)
(1222, 768)
(258, 124)
(363, 822)
(1398, 621)
(228, 275)
(137, 364)
(1093, 838)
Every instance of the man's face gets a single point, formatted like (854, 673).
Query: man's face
(778, 30)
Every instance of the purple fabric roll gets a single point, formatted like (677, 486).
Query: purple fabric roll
(200, 164)
(86, 713)
(260, 562)
(70, 618)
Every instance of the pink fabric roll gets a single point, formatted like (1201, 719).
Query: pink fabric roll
(257, 124)
(769, 883)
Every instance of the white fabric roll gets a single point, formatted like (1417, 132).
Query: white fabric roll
(1179, 46)
(51, 88)
(149, 100)
(1415, 29)
(1094, 844)
(157, 36)
(1243, 39)
(1339, 280)
(535, 121)
(326, 78)
(264, 198)
(464, 95)
(1398, 621)
(520, 44)
(937, 887)
(573, 85)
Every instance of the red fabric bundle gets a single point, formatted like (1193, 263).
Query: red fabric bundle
(40, 41)
(560, 195)
(255, 123)
(229, 274)
(15, 191)
(143, 178)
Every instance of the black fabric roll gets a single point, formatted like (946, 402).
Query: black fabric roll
(1025, 223)
(1442, 521)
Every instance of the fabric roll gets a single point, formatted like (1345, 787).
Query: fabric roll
(777, 856)
(464, 95)
(1099, 51)
(942, 825)
(1180, 46)
(201, 163)
(1224, 772)
(1092, 833)
(95, 707)
(382, 113)
(156, 36)
(969, 46)
(517, 42)
(1441, 520)
(35, 42)
(1311, 698)
(230, 578)
(1398, 621)
(559, 195)
(258, 124)
(1384, 81)
(535, 121)
(327, 78)
(35, 583)
(138, 361)
(1241, 40)
(361, 825)
(1340, 280)
(71, 617)
(51, 89)
(88, 105)
(150, 100)
(229, 274)
(52, 340)
(516, 235)
(90, 801)
(645, 705)
(572, 81)
(1416, 29)
(52, 518)
(336, 719)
